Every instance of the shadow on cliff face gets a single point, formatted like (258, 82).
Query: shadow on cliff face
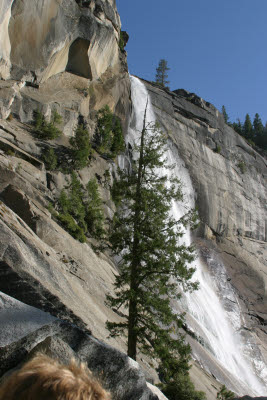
(78, 62)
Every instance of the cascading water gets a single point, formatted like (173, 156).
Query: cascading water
(206, 314)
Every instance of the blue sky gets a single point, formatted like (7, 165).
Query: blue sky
(214, 48)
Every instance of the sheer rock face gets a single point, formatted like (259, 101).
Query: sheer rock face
(229, 179)
(42, 37)
(5, 46)
(61, 55)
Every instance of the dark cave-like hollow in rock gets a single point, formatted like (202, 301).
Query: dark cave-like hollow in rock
(78, 62)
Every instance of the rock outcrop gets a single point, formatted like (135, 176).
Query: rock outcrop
(43, 38)
(64, 56)
(121, 375)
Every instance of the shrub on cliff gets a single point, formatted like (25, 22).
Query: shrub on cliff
(82, 148)
(80, 210)
(108, 138)
(180, 387)
(124, 37)
(50, 159)
(72, 227)
(94, 216)
(225, 394)
(46, 130)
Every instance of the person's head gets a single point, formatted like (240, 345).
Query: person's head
(43, 378)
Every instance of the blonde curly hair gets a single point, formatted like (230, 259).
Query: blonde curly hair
(44, 378)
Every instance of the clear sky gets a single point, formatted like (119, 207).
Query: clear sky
(214, 48)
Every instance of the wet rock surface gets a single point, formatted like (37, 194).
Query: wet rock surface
(231, 200)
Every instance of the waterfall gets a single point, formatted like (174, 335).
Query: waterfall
(206, 315)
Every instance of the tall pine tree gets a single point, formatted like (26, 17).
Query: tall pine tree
(153, 261)
(162, 74)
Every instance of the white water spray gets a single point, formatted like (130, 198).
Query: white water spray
(207, 314)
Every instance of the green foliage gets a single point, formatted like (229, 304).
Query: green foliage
(38, 119)
(225, 394)
(56, 118)
(50, 159)
(82, 148)
(242, 166)
(94, 216)
(124, 37)
(255, 134)
(217, 149)
(80, 210)
(259, 134)
(162, 74)
(117, 145)
(225, 115)
(72, 227)
(180, 387)
(75, 200)
(107, 178)
(247, 129)
(72, 211)
(237, 126)
(10, 152)
(121, 42)
(145, 238)
(108, 137)
(52, 210)
(46, 130)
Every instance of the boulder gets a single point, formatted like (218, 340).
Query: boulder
(33, 331)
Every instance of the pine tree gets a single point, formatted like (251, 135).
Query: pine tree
(46, 130)
(108, 138)
(94, 215)
(258, 129)
(162, 74)
(146, 238)
(237, 126)
(263, 142)
(225, 115)
(225, 394)
(82, 148)
(181, 387)
(248, 128)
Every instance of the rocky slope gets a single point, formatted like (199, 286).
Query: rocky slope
(64, 56)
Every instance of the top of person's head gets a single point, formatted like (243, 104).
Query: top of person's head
(44, 378)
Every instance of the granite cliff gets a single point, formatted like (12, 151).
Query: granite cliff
(66, 56)
(229, 178)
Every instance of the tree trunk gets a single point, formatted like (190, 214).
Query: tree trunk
(132, 334)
